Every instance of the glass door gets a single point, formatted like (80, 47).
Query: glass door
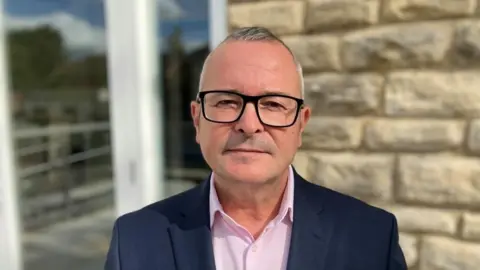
(189, 29)
(55, 135)
(94, 119)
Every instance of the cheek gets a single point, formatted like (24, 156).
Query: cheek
(203, 133)
(286, 140)
(211, 136)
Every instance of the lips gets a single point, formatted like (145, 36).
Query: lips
(243, 150)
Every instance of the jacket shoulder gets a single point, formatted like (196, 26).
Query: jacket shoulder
(161, 213)
(141, 238)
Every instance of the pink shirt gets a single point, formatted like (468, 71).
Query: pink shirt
(235, 248)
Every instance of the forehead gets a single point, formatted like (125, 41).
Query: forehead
(252, 68)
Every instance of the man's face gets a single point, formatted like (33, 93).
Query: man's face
(247, 150)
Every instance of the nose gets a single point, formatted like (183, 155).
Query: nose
(249, 123)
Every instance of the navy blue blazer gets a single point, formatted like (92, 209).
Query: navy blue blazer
(331, 231)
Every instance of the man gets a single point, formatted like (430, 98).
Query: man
(254, 212)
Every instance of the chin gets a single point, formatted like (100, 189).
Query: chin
(255, 172)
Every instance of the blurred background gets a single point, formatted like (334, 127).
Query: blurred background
(95, 122)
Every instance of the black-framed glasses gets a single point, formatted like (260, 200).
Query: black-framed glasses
(275, 110)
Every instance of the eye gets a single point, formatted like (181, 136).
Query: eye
(272, 105)
(226, 103)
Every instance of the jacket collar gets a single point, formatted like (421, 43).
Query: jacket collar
(191, 235)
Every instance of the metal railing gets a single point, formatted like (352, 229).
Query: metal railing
(62, 168)
(51, 133)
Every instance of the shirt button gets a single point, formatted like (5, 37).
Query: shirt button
(254, 248)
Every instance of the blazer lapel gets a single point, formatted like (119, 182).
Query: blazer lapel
(191, 235)
(310, 233)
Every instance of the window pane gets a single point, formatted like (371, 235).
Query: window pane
(184, 33)
(58, 79)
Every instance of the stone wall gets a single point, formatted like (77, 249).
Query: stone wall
(395, 91)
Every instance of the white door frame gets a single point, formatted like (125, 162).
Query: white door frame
(135, 104)
(10, 225)
(218, 21)
(135, 100)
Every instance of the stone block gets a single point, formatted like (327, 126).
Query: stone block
(335, 14)
(414, 135)
(433, 94)
(337, 94)
(335, 133)
(315, 53)
(409, 245)
(281, 17)
(425, 220)
(471, 226)
(473, 141)
(466, 47)
(439, 180)
(397, 46)
(408, 10)
(301, 163)
(365, 176)
(443, 253)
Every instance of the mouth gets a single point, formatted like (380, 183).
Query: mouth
(246, 151)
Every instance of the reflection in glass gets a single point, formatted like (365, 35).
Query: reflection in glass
(58, 78)
(185, 37)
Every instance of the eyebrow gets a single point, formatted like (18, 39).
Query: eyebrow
(263, 92)
(272, 92)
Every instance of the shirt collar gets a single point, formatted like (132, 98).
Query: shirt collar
(286, 207)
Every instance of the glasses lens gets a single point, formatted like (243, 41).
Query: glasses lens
(273, 110)
(277, 110)
(222, 107)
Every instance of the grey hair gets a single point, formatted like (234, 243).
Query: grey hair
(257, 33)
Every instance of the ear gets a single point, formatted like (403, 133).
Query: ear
(303, 118)
(195, 110)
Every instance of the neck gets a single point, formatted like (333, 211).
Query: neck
(252, 205)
